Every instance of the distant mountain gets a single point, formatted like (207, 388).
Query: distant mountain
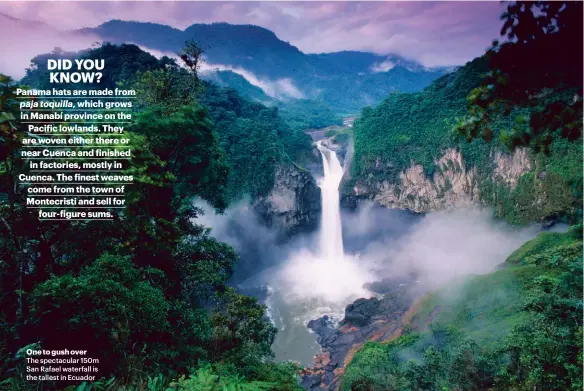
(251, 47)
(154, 36)
(250, 59)
(347, 80)
(21, 40)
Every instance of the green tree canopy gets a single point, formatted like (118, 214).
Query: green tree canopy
(537, 67)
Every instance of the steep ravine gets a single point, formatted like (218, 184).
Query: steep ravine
(382, 318)
(375, 319)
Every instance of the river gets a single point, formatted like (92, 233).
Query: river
(323, 280)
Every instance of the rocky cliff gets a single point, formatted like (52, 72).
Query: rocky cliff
(293, 204)
(452, 184)
(509, 168)
(374, 319)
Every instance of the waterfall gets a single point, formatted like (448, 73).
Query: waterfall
(331, 235)
(322, 281)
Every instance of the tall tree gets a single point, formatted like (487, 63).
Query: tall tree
(538, 67)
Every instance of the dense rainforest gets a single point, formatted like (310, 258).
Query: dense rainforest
(519, 328)
(148, 293)
(422, 126)
(300, 114)
(122, 289)
(346, 81)
(243, 126)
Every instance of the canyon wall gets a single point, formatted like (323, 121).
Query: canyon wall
(293, 204)
(453, 183)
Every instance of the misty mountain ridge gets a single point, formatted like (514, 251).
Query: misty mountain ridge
(247, 44)
(346, 80)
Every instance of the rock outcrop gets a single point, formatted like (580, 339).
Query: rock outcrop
(375, 319)
(293, 204)
(509, 168)
(341, 147)
(453, 183)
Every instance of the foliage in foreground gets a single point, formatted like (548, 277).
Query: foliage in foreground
(539, 67)
(146, 294)
(534, 103)
(519, 328)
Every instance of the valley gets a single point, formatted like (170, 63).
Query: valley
(353, 220)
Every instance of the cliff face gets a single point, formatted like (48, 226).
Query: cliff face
(509, 168)
(293, 204)
(453, 183)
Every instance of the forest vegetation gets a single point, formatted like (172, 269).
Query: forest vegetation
(520, 327)
(122, 289)
(148, 294)
(478, 113)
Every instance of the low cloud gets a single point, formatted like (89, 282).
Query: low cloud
(383, 66)
(444, 246)
(279, 89)
(259, 247)
(21, 41)
(380, 245)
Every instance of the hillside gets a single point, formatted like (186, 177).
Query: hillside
(300, 114)
(240, 84)
(516, 327)
(148, 293)
(503, 131)
(408, 156)
(262, 149)
(345, 81)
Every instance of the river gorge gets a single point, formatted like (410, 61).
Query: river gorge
(354, 276)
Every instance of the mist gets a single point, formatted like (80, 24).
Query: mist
(25, 40)
(278, 89)
(258, 246)
(443, 246)
(384, 250)
(383, 66)
(380, 244)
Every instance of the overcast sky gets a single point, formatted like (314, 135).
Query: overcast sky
(433, 33)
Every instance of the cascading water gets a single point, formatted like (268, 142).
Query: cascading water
(313, 283)
(331, 235)
(326, 279)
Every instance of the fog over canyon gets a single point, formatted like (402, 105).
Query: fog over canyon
(355, 253)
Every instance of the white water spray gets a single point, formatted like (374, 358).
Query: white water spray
(331, 235)
(321, 282)
(326, 280)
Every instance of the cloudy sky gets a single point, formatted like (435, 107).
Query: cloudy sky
(433, 33)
